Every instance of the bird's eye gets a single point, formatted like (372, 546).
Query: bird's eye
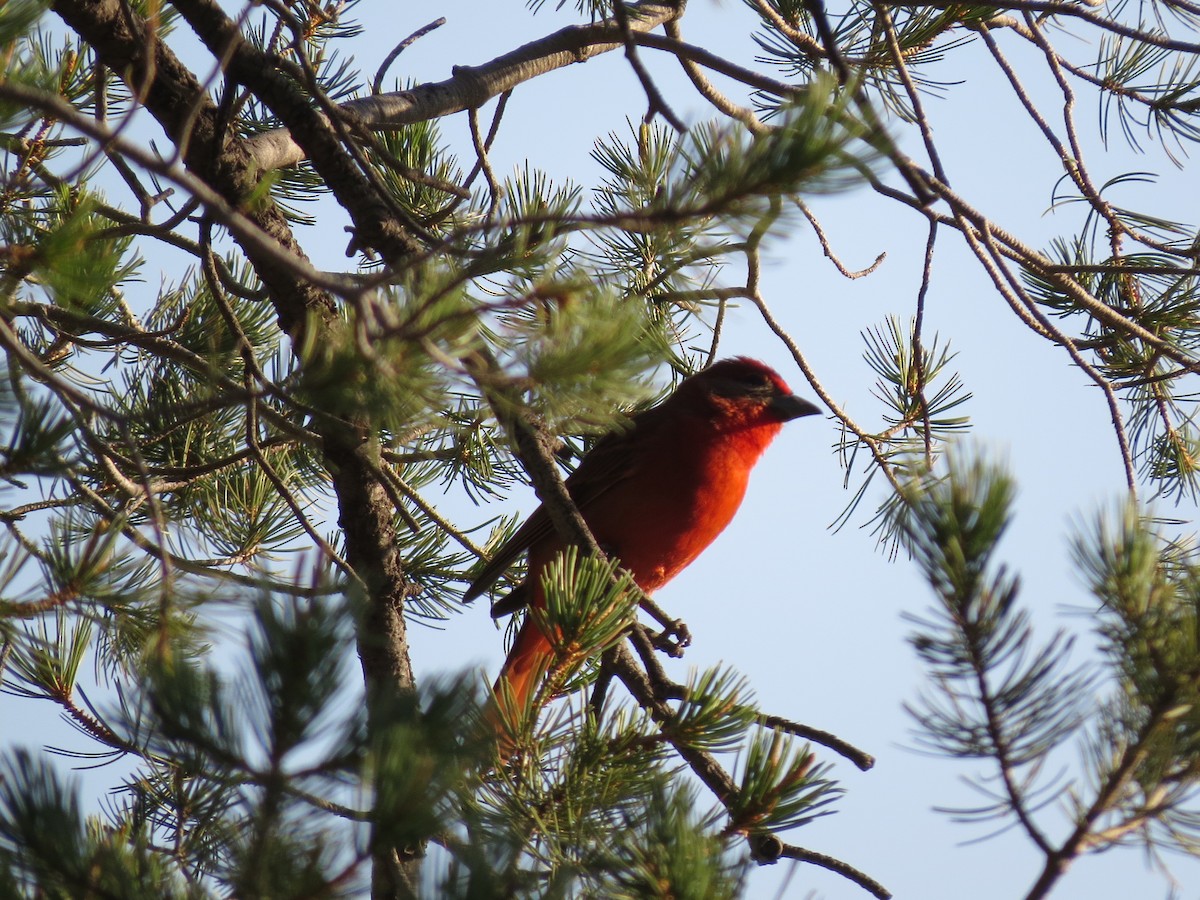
(755, 380)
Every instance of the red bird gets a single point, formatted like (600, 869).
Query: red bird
(654, 495)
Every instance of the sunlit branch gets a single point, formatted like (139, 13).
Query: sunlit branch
(472, 86)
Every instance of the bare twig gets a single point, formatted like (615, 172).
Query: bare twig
(852, 274)
(495, 192)
(690, 53)
(709, 91)
(377, 84)
(658, 104)
(860, 758)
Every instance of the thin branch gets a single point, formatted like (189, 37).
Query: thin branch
(377, 84)
(860, 758)
(709, 91)
(804, 42)
(814, 382)
(495, 192)
(852, 274)
(914, 96)
(917, 349)
(690, 53)
(866, 882)
(658, 104)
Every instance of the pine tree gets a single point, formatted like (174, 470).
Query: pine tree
(206, 434)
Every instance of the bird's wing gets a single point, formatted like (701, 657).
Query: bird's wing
(606, 465)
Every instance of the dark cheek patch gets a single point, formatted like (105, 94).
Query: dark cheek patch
(740, 411)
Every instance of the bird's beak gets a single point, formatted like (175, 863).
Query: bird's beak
(789, 406)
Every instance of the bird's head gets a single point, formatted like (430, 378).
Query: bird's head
(744, 393)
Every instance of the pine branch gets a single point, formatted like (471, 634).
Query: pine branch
(716, 779)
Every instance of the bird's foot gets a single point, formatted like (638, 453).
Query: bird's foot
(672, 640)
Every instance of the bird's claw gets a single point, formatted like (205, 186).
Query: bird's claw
(674, 637)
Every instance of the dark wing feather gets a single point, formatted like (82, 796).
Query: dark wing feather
(609, 463)
(523, 538)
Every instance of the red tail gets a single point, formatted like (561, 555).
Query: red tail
(528, 661)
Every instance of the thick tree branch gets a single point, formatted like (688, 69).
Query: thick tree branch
(472, 86)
